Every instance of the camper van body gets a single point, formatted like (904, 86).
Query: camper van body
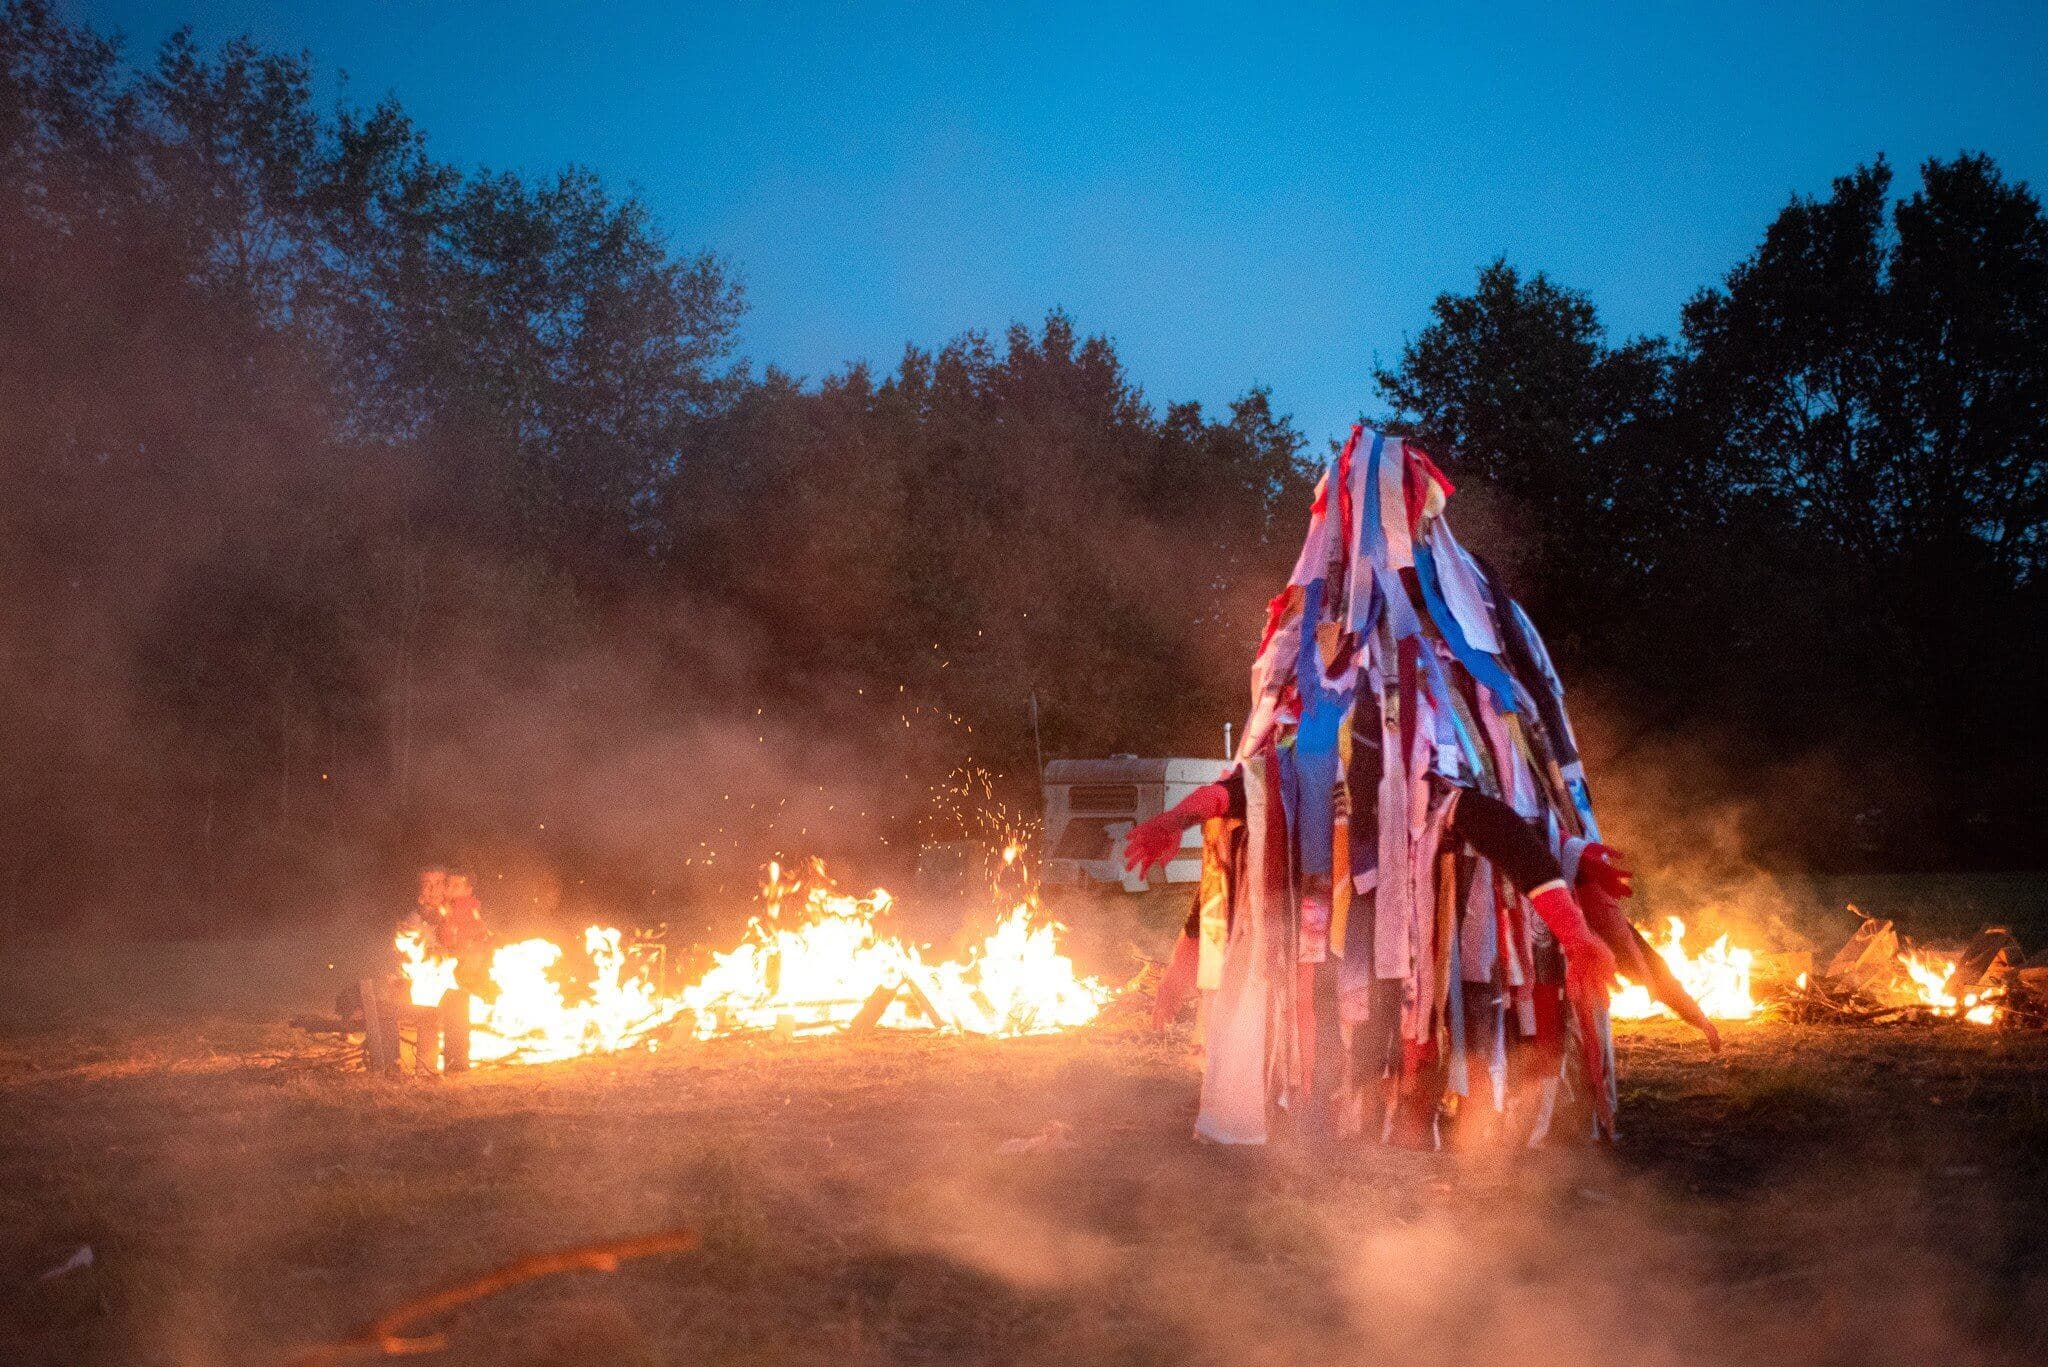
(1091, 805)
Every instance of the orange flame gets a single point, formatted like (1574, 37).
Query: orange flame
(1717, 978)
(428, 976)
(1925, 983)
(812, 970)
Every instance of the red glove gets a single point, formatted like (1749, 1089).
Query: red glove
(1152, 842)
(1589, 963)
(1600, 867)
(1603, 884)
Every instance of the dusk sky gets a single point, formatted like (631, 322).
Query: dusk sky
(1258, 194)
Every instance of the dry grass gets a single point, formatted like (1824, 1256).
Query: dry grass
(1816, 1195)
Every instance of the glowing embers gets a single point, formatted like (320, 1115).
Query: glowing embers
(814, 960)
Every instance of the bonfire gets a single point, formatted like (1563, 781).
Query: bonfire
(1878, 976)
(813, 959)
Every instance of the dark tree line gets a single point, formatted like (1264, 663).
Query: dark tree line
(1811, 529)
(359, 510)
(356, 509)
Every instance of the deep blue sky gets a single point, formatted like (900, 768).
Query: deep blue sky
(1264, 193)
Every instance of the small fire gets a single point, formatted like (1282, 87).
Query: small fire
(530, 1016)
(819, 970)
(814, 959)
(1926, 984)
(1717, 978)
(428, 976)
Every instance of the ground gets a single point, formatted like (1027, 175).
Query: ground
(1813, 1195)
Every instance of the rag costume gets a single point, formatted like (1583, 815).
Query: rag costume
(1404, 913)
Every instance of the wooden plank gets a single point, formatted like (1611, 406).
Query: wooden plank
(917, 998)
(426, 1041)
(871, 1010)
(380, 1032)
(455, 1032)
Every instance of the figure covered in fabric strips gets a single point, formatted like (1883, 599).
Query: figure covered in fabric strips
(1405, 915)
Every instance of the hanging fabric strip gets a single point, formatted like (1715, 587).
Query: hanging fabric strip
(1362, 593)
(1395, 519)
(1426, 979)
(1338, 573)
(1482, 666)
(1450, 706)
(1222, 860)
(1235, 1057)
(1341, 889)
(1394, 525)
(1463, 589)
(1392, 897)
(1479, 930)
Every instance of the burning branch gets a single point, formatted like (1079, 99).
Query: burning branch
(386, 1336)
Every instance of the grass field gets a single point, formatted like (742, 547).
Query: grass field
(1813, 1196)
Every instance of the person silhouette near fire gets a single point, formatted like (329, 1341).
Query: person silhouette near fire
(448, 917)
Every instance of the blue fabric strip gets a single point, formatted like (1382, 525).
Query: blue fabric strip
(1370, 535)
(1450, 713)
(1323, 712)
(1481, 665)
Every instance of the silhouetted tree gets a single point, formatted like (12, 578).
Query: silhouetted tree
(1876, 372)
(355, 509)
(1518, 389)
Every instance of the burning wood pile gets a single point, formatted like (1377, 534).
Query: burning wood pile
(1878, 977)
(813, 960)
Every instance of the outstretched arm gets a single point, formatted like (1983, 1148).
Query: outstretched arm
(1153, 841)
(1496, 831)
(1602, 884)
(1591, 910)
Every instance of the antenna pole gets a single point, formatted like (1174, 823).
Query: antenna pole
(1038, 749)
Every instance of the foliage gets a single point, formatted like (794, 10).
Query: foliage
(1814, 526)
(358, 509)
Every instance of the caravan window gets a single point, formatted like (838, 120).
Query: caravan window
(1117, 799)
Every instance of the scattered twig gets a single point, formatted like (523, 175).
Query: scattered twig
(1055, 1135)
(1763, 1279)
(82, 1258)
(340, 1057)
(2021, 1005)
(387, 1336)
